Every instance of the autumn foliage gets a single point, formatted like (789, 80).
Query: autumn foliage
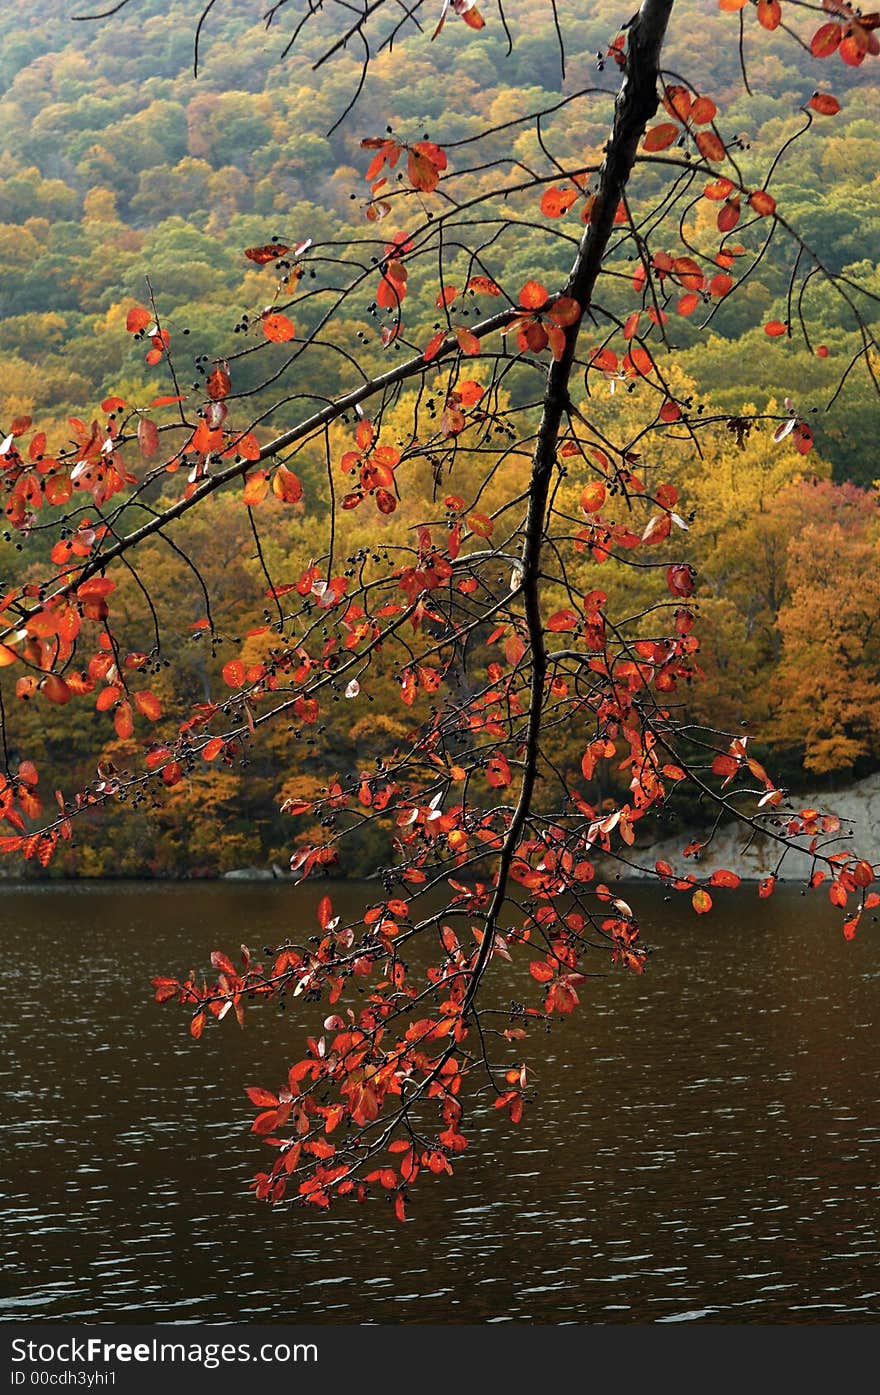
(502, 591)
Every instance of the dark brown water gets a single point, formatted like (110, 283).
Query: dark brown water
(705, 1145)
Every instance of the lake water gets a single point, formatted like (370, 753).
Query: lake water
(704, 1145)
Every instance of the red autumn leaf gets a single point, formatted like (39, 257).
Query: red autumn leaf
(677, 101)
(604, 359)
(555, 202)
(763, 203)
(703, 111)
(565, 312)
(853, 46)
(425, 163)
(268, 253)
(824, 103)
(59, 489)
(825, 40)
(498, 771)
(137, 319)
(541, 971)
(710, 146)
(657, 529)
(701, 901)
(247, 446)
(593, 496)
(467, 342)
(533, 295)
(148, 705)
(680, 580)
(483, 285)
(562, 621)
(728, 216)
(433, 346)
(862, 874)
(721, 284)
(266, 1122)
(148, 437)
(219, 384)
(278, 328)
(769, 14)
(123, 722)
(721, 877)
(286, 485)
(774, 329)
(256, 488)
(234, 673)
(54, 689)
(263, 1099)
(661, 137)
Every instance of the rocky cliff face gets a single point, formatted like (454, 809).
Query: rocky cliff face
(858, 808)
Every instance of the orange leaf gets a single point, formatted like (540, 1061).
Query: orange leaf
(148, 705)
(769, 14)
(256, 488)
(533, 295)
(433, 346)
(825, 40)
(498, 771)
(234, 673)
(556, 202)
(483, 285)
(703, 111)
(286, 485)
(593, 496)
(661, 137)
(278, 328)
(247, 446)
(54, 689)
(562, 621)
(824, 104)
(724, 878)
(710, 146)
(467, 342)
(219, 384)
(148, 437)
(269, 253)
(122, 721)
(137, 319)
(565, 312)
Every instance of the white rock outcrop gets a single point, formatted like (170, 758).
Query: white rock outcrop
(857, 807)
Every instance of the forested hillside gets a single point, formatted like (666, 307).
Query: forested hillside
(117, 165)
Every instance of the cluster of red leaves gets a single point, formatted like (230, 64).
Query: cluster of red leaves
(689, 113)
(543, 321)
(852, 35)
(374, 466)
